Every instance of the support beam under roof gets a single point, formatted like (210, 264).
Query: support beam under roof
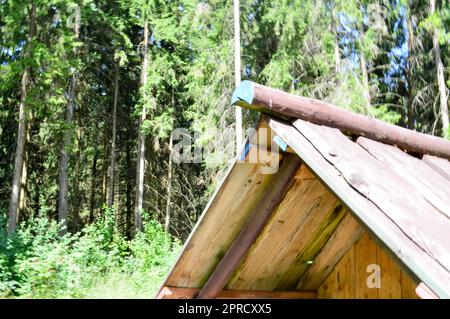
(253, 227)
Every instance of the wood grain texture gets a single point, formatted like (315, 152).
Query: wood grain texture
(383, 185)
(221, 221)
(295, 221)
(391, 277)
(349, 280)
(365, 254)
(190, 293)
(439, 164)
(408, 286)
(289, 279)
(400, 243)
(433, 187)
(346, 234)
(340, 283)
(252, 228)
(404, 205)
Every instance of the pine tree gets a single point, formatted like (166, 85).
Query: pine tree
(23, 114)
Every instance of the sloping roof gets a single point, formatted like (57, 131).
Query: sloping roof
(401, 199)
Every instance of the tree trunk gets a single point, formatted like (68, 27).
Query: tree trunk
(363, 65)
(237, 72)
(23, 180)
(169, 187)
(76, 191)
(128, 195)
(337, 54)
(21, 132)
(105, 160)
(440, 78)
(113, 140)
(63, 166)
(64, 159)
(141, 141)
(409, 75)
(93, 184)
(365, 76)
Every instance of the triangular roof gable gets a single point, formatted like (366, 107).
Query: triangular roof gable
(401, 199)
(413, 226)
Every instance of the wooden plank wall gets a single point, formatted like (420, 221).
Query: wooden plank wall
(298, 229)
(241, 191)
(349, 277)
(354, 176)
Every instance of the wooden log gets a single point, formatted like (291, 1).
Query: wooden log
(253, 227)
(190, 293)
(275, 102)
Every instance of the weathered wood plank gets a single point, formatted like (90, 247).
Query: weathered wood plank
(289, 279)
(434, 187)
(394, 283)
(391, 278)
(365, 251)
(329, 287)
(408, 286)
(346, 234)
(252, 228)
(240, 192)
(406, 250)
(346, 277)
(340, 284)
(190, 293)
(399, 200)
(296, 219)
(439, 164)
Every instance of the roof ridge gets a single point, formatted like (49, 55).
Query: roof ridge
(281, 104)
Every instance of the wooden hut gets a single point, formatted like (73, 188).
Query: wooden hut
(336, 205)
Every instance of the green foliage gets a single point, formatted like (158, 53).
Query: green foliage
(36, 262)
(311, 48)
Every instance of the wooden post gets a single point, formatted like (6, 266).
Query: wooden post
(253, 227)
(271, 101)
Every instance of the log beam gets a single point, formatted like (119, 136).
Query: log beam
(253, 227)
(281, 104)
